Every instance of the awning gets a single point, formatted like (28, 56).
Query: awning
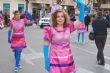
(69, 3)
(65, 2)
(41, 1)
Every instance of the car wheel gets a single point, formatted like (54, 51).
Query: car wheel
(41, 26)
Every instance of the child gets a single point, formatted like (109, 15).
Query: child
(17, 40)
(81, 30)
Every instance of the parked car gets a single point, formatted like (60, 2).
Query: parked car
(45, 21)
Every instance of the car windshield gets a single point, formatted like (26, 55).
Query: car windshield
(47, 15)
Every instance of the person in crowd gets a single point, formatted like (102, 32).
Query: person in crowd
(87, 21)
(81, 30)
(6, 19)
(1, 20)
(17, 38)
(100, 26)
(57, 37)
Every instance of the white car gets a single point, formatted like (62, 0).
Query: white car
(45, 21)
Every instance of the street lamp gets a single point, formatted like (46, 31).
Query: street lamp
(65, 7)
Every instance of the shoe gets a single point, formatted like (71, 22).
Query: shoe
(20, 67)
(101, 63)
(16, 69)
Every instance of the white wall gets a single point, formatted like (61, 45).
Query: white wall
(1, 5)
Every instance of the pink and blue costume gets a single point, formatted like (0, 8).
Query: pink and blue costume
(60, 58)
(1, 22)
(60, 55)
(82, 27)
(18, 38)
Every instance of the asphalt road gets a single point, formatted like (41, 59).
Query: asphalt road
(32, 56)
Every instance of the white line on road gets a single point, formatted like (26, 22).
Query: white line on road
(106, 45)
(82, 70)
(107, 66)
(33, 55)
(106, 57)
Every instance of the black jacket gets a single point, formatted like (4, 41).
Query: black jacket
(87, 20)
(100, 26)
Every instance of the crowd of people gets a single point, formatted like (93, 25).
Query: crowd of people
(31, 18)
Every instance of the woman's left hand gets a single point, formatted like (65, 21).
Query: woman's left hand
(77, 24)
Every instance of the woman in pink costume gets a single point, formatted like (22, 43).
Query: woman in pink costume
(1, 21)
(57, 38)
(81, 30)
(17, 39)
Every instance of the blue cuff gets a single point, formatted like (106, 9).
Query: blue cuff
(45, 50)
(9, 36)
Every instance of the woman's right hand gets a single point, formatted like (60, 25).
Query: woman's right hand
(47, 65)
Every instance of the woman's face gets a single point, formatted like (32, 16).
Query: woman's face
(17, 16)
(60, 18)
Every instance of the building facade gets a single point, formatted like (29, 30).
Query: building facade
(8, 6)
(34, 6)
(102, 5)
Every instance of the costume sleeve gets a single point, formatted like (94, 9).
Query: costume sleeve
(71, 26)
(47, 34)
(25, 21)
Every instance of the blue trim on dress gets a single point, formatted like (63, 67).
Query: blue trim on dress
(18, 37)
(18, 47)
(62, 65)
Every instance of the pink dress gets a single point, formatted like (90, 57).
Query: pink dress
(1, 23)
(18, 38)
(82, 28)
(60, 55)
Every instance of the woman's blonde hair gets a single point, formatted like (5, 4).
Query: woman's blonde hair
(54, 18)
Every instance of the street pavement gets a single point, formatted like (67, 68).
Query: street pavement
(32, 56)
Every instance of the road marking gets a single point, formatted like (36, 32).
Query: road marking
(106, 45)
(82, 70)
(108, 36)
(107, 66)
(33, 55)
(106, 57)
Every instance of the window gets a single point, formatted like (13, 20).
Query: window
(6, 8)
(21, 7)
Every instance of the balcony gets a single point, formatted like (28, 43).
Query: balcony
(65, 2)
(41, 1)
(105, 6)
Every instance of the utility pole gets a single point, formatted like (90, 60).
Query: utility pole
(27, 2)
(43, 9)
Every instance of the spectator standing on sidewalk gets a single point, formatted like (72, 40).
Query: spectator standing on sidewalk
(87, 21)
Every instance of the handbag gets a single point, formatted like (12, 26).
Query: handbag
(91, 35)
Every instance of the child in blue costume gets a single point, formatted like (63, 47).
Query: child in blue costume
(81, 18)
